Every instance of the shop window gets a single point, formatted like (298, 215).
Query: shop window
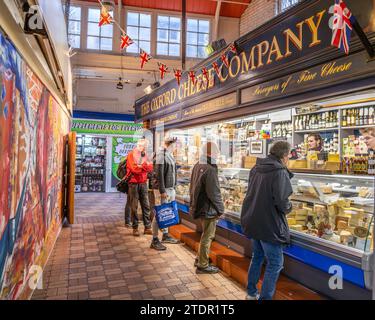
(198, 37)
(98, 38)
(284, 5)
(168, 36)
(74, 26)
(138, 27)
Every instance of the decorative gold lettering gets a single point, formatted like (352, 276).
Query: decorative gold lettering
(262, 51)
(314, 27)
(234, 59)
(306, 76)
(275, 49)
(248, 63)
(291, 37)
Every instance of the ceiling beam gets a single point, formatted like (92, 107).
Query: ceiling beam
(216, 22)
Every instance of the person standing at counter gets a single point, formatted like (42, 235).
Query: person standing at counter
(138, 166)
(314, 142)
(206, 203)
(164, 181)
(263, 218)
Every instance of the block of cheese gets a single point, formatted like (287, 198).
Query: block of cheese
(291, 221)
(327, 189)
(319, 208)
(297, 227)
(301, 212)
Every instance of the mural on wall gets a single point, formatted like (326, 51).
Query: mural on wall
(32, 129)
(121, 146)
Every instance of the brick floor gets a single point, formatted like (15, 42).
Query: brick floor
(98, 258)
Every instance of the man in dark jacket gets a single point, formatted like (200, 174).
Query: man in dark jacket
(263, 218)
(164, 182)
(206, 203)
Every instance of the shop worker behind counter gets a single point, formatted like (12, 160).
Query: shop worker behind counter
(206, 203)
(263, 218)
(138, 166)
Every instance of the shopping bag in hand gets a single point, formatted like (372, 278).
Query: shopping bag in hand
(167, 214)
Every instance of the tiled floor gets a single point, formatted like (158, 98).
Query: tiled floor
(98, 258)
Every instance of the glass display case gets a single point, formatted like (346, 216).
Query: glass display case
(333, 209)
(330, 210)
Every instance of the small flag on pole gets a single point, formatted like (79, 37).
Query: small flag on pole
(233, 48)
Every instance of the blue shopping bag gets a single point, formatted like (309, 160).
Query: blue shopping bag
(167, 214)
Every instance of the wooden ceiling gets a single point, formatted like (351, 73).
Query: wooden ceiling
(230, 8)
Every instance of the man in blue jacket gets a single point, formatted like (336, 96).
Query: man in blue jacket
(263, 218)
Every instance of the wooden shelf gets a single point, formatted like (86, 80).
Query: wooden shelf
(358, 127)
(316, 130)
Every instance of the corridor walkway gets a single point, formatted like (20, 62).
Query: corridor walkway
(98, 258)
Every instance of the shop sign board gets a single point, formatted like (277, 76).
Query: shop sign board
(296, 40)
(327, 74)
(106, 127)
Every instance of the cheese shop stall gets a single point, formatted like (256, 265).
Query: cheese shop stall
(285, 81)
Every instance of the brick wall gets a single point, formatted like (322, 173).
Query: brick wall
(258, 12)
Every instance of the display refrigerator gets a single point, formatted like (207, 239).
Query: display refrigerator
(332, 220)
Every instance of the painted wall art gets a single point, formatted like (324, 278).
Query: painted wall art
(32, 130)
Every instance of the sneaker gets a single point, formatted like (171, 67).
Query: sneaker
(128, 225)
(157, 245)
(209, 269)
(148, 231)
(249, 297)
(136, 233)
(196, 262)
(168, 239)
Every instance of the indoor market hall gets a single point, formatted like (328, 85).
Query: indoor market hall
(219, 150)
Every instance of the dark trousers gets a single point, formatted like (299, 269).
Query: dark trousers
(127, 211)
(139, 192)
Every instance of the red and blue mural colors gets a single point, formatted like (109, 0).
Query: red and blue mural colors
(32, 130)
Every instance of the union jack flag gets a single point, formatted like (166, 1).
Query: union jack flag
(342, 26)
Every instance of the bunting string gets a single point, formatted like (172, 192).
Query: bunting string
(126, 41)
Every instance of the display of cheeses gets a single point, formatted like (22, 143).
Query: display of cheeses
(329, 208)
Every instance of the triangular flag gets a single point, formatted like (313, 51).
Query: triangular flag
(224, 58)
(192, 77)
(163, 69)
(206, 74)
(216, 68)
(177, 75)
(233, 48)
(105, 18)
(126, 41)
(145, 57)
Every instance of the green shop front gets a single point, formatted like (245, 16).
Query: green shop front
(283, 82)
(101, 145)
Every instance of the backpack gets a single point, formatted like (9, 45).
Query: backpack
(121, 170)
(123, 185)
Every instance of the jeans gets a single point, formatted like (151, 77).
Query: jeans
(171, 193)
(273, 253)
(127, 212)
(209, 229)
(139, 192)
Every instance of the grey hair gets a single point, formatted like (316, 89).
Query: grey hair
(280, 149)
